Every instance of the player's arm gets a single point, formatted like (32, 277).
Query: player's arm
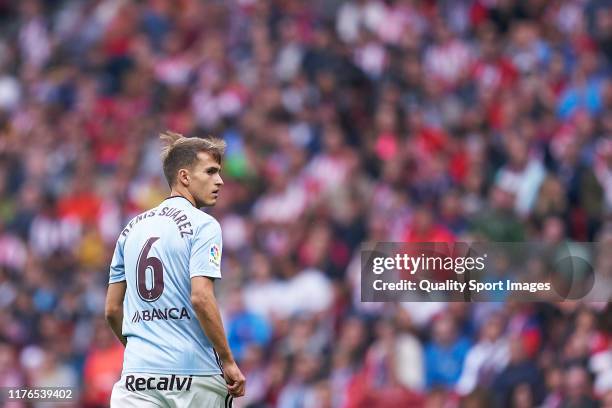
(205, 306)
(113, 310)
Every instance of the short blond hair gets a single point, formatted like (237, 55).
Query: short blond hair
(181, 152)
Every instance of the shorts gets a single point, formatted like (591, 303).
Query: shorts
(140, 390)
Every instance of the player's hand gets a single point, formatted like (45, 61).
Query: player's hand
(235, 380)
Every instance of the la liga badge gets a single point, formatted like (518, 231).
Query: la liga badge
(215, 255)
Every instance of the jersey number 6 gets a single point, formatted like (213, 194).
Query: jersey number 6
(157, 268)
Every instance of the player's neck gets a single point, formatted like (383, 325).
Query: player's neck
(175, 192)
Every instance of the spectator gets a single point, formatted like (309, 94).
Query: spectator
(486, 358)
(577, 392)
(102, 367)
(520, 372)
(243, 327)
(445, 353)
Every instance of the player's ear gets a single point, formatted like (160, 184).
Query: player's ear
(183, 177)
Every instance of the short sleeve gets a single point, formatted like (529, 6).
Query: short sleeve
(117, 267)
(205, 258)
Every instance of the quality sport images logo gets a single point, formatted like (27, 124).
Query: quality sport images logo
(150, 315)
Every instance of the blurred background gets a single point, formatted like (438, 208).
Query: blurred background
(346, 122)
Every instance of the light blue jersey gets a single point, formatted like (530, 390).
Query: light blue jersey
(157, 254)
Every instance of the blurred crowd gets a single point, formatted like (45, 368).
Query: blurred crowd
(347, 122)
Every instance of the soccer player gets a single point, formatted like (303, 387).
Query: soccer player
(160, 301)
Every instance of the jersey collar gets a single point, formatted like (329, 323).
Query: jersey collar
(179, 196)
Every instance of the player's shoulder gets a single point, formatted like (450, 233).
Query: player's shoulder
(134, 221)
(203, 220)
